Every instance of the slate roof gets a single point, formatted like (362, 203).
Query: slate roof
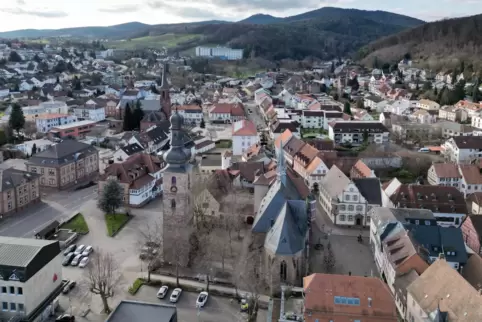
(436, 239)
(11, 178)
(132, 149)
(150, 105)
(468, 142)
(287, 236)
(61, 153)
(370, 189)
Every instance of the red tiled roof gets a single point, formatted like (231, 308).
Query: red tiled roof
(244, 128)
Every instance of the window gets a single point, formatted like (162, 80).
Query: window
(351, 207)
(173, 180)
(342, 217)
(342, 207)
(355, 198)
(21, 307)
(42, 170)
(13, 307)
(9, 195)
(20, 291)
(4, 306)
(12, 290)
(347, 300)
(282, 271)
(368, 219)
(34, 170)
(359, 208)
(347, 197)
(350, 218)
(4, 289)
(173, 203)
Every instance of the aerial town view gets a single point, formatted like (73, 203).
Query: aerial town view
(224, 161)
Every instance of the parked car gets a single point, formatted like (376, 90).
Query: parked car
(70, 249)
(69, 286)
(162, 292)
(68, 258)
(175, 295)
(79, 250)
(202, 299)
(76, 260)
(65, 318)
(87, 251)
(84, 262)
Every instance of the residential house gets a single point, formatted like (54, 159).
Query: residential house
(192, 114)
(40, 145)
(474, 201)
(449, 129)
(90, 111)
(203, 145)
(472, 232)
(428, 105)
(280, 126)
(347, 202)
(361, 170)
(140, 177)
(244, 135)
(312, 119)
(152, 140)
(361, 115)
(473, 109)
(444, 174)
(457, 114)
(424, 116)
(110, 108)
(463, 149)
(19, 190)
(398, 107)
(442, 294)
(210, 163)
(350, 298)
(371, 102)
(358, 132)
(447, 203)
(48, 121)
(65, 164)
(471, 179)
(308, 163)
(227, 113)
(124, 152)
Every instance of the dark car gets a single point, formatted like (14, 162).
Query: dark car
(68, 258)
(65, 318)
(69, 286)
(70, 249)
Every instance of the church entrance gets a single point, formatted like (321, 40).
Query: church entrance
(359, 220)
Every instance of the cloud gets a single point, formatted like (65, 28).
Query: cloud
(21, 2)
(189, 12)
(120, 9)
(35, 13)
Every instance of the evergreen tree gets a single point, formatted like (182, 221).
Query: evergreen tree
(58, 80)
(17, 119)
(127, 125)
(34, 149)
(458, 93)
(347, 108)
(110, 198)
(332, 69)
(137, 115)
(475, 91)
(203, 124)
(14, 57)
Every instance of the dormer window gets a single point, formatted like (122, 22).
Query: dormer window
(173, 181)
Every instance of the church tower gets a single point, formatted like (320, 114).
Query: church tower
(176, 183)
(164, 91)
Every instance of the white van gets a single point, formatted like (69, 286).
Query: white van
(424, 150)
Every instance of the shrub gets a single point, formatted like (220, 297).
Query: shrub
(136, 286)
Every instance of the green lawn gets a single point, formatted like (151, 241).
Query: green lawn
(77, 224)
(114, 223)
(224, 144)
(166, 40)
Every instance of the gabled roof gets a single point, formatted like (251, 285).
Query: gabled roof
(132, 149)
(287, 236)
(335, 182)
(371, 190)
(446, 170)
(63, 152)
(11, 178)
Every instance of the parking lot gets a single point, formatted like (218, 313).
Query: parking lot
(217, 309)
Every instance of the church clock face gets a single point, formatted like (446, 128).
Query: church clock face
(174, 189)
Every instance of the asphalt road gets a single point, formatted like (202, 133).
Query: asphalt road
(255, 116)
(53, 207)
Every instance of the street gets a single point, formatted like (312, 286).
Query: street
(255, 116)
(56, 206)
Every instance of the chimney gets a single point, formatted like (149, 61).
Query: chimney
(369, 302)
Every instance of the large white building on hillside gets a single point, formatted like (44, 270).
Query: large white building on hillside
(220, 52)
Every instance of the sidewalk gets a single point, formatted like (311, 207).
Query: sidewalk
(264, 299)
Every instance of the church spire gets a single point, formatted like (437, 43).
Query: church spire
(177, 155)
(281, 165)
(164, 91)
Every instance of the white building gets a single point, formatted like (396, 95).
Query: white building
(347, 201)
(90, 111)
(463, 149)
(244, 136)
(192, 114)
(47, 121)
(31, 273)
(220, 52)
(357, 132)
(41, 145)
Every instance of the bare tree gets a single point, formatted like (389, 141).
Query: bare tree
(103, 277)
(150, 247)
(329, 260)
(29, 129)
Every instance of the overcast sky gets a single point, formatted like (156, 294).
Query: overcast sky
(54, 14)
